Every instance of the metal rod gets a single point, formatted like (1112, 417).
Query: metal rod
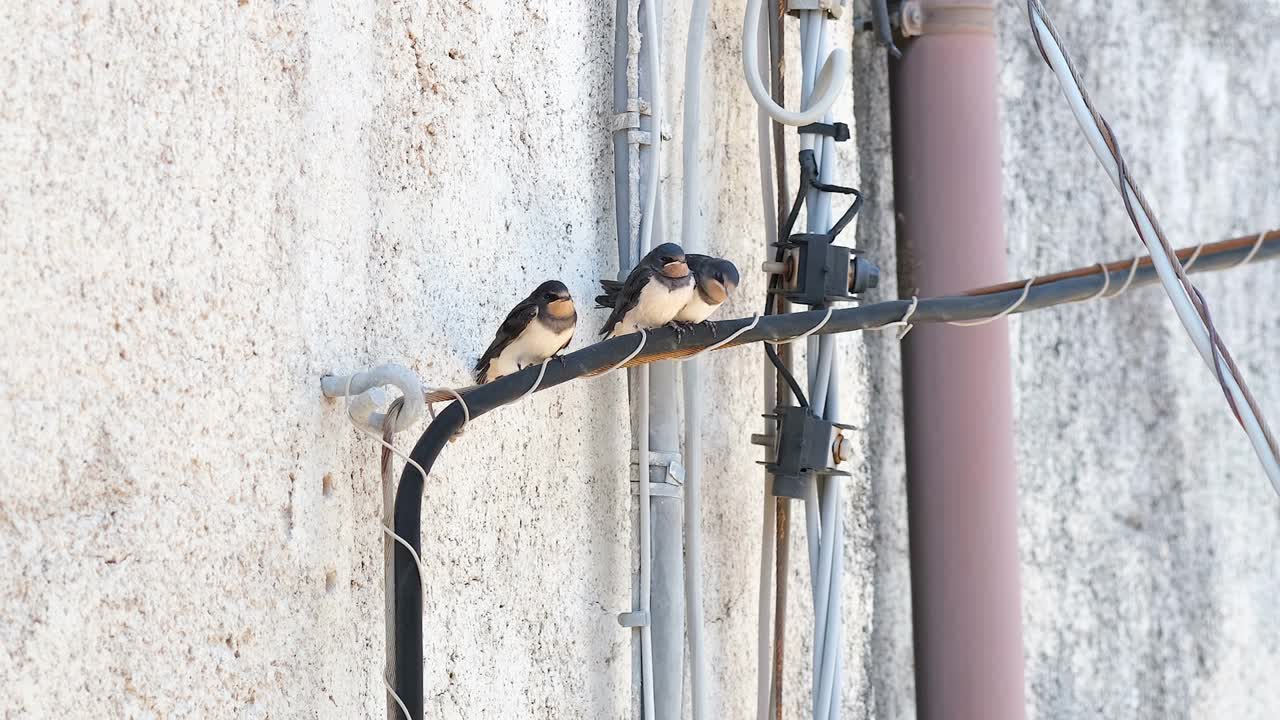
(782, 558)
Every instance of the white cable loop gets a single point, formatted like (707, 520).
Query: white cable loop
(755, 320)
(832, 78)
(1257, 244)
(1106, 284)
(536, 383)
(396, 697)
(1133, 270)
(821, 324)
(1195, 255)
(905, 323)
(1026, 289)
(417, 560)
(644, 337)
(409, 460)
(431, 409)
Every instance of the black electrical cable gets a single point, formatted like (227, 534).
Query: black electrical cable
(808, 180)
(664, 343)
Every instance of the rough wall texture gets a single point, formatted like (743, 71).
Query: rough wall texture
(205, 206)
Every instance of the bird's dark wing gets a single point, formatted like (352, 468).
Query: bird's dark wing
(565, 345)
(610, 296)
(628, 296)
(519, 318)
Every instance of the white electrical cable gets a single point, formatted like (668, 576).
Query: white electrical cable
(831, 80)
(692, 239)
(1181, 300)
(649, 216)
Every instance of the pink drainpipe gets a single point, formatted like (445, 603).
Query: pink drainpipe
(961, 478)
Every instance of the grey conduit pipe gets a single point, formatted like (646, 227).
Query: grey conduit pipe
(666, 600)
(823, 506)
(961, 478)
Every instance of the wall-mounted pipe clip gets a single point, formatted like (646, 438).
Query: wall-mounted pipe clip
(368, 397)
(927, 18)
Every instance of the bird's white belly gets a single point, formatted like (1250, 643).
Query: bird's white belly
(657, 306)
(535, 344)
(696, 310)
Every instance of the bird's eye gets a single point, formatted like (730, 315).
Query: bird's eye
(549, 296)
(666, 260)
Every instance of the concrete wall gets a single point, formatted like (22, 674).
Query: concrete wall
(206, 206)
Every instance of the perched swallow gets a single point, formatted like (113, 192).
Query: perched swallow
(653, 293)
(714, 279)
(538, 327)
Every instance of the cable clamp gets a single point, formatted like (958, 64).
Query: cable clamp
(833, 8)
(633, 619)
(839, 131)
(629, 121)
(669, 460)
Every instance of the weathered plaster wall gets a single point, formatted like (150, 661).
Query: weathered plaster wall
(206, 206)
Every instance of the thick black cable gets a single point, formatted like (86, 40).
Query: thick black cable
(662, 343)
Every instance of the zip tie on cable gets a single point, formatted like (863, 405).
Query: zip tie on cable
(1133, 270)
(755, 320)
(806, 333)
(644, 337)
(1254, 251)
(1026, 289)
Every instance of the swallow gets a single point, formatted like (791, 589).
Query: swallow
(714, 279)
(537, 328)
(652, 295)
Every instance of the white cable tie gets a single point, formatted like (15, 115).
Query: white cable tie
(1195, 255)
(1026, 289)
(905, 322)
(466, 411)
(1133, 270)
(536, 383)
(1106, 284)
(1257, 244)
(821, 323)
(644, 337)
(754, 321)
(396, 697)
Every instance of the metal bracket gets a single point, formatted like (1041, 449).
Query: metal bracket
(916, 19)
(671, 461)
(368, 396)
(834, 8)
(629, 121)
(633, 619)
